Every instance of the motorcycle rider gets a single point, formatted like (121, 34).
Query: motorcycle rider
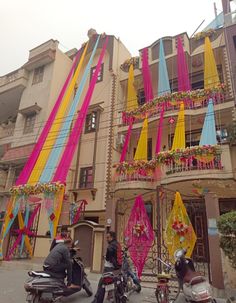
(58, 263)
(113, 262)
(60, 237)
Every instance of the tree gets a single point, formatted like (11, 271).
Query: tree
(227, 227)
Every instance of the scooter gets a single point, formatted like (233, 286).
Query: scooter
(195, 287)
(42, 287)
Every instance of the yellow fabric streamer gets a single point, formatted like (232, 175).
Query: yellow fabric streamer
(179, 137)
(59, 198)
(27, 241)
(179, 230)
(132, 102)
(141, 152)
(52, 136)
(211, 77)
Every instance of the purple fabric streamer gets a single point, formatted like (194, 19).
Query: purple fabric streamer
(147, 82)
(64, 165)
(25, 173)
(126, 144)
(183, 77)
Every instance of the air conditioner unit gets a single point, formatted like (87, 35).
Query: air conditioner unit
(120, 140)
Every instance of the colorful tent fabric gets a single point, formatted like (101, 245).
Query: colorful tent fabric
(24, 175)
(179, 230)
(183, 77)
(208, 135)
(163, 78)
(132, 102)
(147, 82)
(64, 165)
(141, 151)
(53, 159)
(51, 138)
(179, 136)
(139, 234)
(211, 77)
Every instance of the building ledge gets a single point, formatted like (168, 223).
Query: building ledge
(30, 110)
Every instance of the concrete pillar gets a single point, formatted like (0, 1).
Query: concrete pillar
(212, 211)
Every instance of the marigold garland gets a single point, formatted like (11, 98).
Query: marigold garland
(175, 98)
(204, 34)
(126, 65)
(38, 188)
(165, 158)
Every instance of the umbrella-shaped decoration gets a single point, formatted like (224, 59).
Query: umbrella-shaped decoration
(139, 234)
(179, 230)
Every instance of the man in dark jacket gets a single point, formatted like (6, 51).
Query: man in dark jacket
(58, 263)
(112, 263)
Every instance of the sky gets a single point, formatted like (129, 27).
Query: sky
(24, 24)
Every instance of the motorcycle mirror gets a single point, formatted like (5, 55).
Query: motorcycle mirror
(76, 242)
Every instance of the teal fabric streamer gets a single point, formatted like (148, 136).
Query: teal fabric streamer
(208, 136)
(163, 78)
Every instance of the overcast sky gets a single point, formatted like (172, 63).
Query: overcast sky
(28, 23)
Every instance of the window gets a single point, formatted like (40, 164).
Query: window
(86, 177)
(149, 210)
(91, 122)
(222, 135)
(29, 123)
(149, 149)
(38, 75)
(141, 97)
(100, 74)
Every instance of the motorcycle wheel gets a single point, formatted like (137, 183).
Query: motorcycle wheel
(161, 296)
(87, 287)
(34, 299)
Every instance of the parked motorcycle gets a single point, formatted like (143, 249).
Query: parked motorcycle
(195, 287)
(42, 287)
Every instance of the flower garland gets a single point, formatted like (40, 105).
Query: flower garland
(180, 229)
(165, 158)
(175, 98)
(204, 34)
(125, 66)
(38, 188)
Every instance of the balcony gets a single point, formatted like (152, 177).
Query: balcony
(6, 130)
(170, 167)
(230, 19)
(16, 79)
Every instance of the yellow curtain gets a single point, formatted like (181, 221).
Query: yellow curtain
(52, 136)
(132, 102)
(211, 77)
(141, 152)
(59, 200)
(179, 230)
(179, 136)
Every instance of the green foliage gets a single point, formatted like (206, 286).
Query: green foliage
(227, 227)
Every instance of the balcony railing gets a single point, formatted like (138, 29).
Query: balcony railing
(9, 78)
(230, 19)
(7, 131)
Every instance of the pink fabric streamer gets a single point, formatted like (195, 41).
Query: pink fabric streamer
(159, 133)
(126, 144)
(64, 165)
(80, 209)
(139, 234)
(183, 77)
(25, 173)
(25, 230)
(146, 76)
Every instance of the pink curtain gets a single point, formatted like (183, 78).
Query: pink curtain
(127, 139)
(139, 234)
(159, 132)
(146, 76)
(183, 77)
(25, 173)
(64, 165)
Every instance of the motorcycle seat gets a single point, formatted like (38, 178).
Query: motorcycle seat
(38, 274)
(193, 278)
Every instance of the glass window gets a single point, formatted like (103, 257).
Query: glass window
(100, 74)
(38, 75)
(86, 177)
(149, 210)
(29, 123)
(141, 97)
(149, 149)
(91, 122)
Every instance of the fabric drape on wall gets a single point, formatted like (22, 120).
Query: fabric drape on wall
(163, 78)
(179, 136)
(53, 159)
(208, 135)
(132, 101)
(147, 82)
(52, 135)
(183, 77)
(211, 77)
(25, 173)
(64, 165)
(141, 152)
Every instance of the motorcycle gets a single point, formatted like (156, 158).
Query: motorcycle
(195, 287)
(42, 287)
(131, 280)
